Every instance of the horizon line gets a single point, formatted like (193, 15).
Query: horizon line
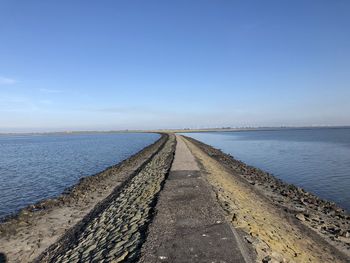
(243, 128)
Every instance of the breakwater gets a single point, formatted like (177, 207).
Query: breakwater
(116, 231)
(315, 159)
(327, 224)
(26, 235)
(37, 167)
(115, 215)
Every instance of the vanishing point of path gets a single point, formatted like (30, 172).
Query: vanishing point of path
(189, 225)
(177, 201)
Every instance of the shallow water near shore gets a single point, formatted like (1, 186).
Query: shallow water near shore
(316, 159)
(36, 167)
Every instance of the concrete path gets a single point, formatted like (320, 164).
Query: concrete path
(189, 225)
(184, 160)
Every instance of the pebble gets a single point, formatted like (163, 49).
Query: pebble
(249, 239)
(266, 259)
(300, 216)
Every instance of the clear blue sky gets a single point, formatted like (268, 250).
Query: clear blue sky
(173, 64)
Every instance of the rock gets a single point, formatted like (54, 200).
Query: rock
(23, 223)
(249, 239)
(344, 240)
(234, 217)
(266, 259)
(122, 257)
(300, 216)
(347, 234)
(276, 257)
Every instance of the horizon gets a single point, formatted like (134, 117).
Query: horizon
(204, 129)
(157, 66)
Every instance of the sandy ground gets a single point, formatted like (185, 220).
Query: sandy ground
(276, 236)
(26, 236)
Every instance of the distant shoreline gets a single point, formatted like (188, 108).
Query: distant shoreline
(185, 130)
(324, 221)
(262, 129)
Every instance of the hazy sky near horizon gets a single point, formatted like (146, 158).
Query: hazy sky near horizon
(100, 65)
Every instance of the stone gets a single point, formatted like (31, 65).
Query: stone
(122, 257)
(300, 216)
(249, 239)
(266, 259)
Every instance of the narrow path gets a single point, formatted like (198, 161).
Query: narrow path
(189, 225)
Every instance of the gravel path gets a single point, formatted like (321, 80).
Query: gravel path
(117, 232)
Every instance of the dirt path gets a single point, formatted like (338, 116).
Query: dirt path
(189, 225)
(275, 234)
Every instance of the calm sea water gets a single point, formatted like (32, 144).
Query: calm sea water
(33, 168)
(316, 159)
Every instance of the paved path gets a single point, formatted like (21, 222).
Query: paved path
(189, 225)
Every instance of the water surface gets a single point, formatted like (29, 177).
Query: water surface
(316, 159)
(35, 167)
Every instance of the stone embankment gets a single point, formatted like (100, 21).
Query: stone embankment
(116, 232)
(323, 222)
(209, 206)
(25, 236)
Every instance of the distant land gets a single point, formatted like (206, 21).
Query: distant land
(183, 130)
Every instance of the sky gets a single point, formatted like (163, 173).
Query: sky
(107, 65)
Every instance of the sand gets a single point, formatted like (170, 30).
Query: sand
(276, 235)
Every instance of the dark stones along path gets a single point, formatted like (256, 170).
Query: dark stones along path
(189, 225)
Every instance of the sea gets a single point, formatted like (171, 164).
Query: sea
(316, 159)
(37, 167)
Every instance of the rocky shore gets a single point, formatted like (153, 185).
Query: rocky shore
(24, 236)
(116, 229)
(324, 218)
(109, 216)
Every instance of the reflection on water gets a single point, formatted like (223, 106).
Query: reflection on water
(34, 167)
(316, 159)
